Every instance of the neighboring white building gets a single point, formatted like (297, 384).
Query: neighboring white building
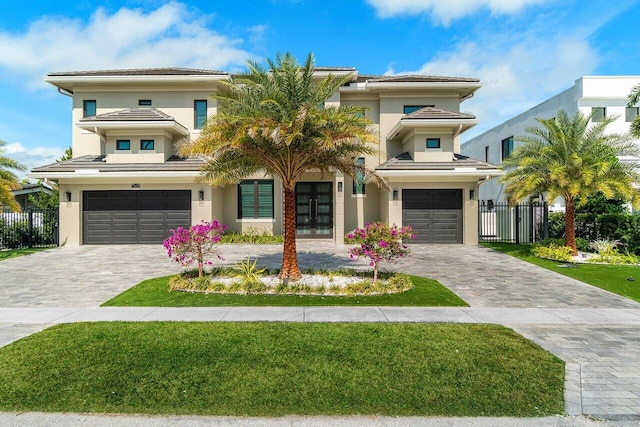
(602, 95)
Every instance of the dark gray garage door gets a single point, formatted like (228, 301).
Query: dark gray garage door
(121, 217)
(435, 215)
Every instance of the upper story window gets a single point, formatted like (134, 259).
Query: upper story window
(433, 142)
(199, 113)
(631, 113)
(147, 144)
(507, 147)
(255, 199)
(486, 154)
(358, 182)
(88, 107)
(144, 102)
(123, 144)
(598, 114)
(408, 109)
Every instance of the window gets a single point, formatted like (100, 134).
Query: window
(88, 108)
(255, 199)
(123, 144)
(147, 144)
(631, 113)
(144, 102)
(200, 113)
(408, 109)
(598, 114)
(486, 154)
(433, 143)
(507, 147)
(358, 182)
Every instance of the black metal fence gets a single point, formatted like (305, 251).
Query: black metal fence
(32, 228)
(523, 223)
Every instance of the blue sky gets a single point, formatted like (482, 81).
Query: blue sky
(522, 50)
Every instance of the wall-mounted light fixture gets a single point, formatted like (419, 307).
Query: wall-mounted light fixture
(67, 196)
(395, 195)
(201, 195)
(135, 185)
(472, 194)
(339, 186)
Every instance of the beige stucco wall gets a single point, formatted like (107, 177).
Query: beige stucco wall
(178, 103)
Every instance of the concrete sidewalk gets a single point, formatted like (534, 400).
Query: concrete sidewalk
(504, 316)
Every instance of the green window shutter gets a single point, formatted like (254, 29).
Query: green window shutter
(358, 182)
(246, 199)
(265, 199)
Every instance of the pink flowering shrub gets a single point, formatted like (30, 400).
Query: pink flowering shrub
(379, 242)
(197, 243)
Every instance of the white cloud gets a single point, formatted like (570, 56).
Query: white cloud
(168, 36)
(447, 11)
(517, 71)
(31, 157)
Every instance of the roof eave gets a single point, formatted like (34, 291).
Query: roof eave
(97, 125)
(94, 173)
(405, 125)
(68, 82)
(469, 172)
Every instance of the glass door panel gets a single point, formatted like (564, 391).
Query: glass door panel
(314, 209)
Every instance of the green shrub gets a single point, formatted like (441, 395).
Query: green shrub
(252, 237)
(623, 227)
(612, 256)
(553, 252)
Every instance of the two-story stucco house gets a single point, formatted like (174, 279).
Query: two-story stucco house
(126, 185)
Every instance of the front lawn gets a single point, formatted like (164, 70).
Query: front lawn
(623, 280)
(275, 369)
(155, 293)
(12, 253)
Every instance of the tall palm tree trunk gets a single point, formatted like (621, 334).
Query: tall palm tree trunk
(290, 270)
(570, 225)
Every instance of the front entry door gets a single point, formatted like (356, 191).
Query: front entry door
(314, 210)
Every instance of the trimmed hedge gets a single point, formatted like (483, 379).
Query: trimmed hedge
(622, 227)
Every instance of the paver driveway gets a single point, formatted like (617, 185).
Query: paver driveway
(603, 370)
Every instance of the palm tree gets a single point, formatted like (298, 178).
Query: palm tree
(8, 180)
(632, 100)
(568, 158)
(274, 121)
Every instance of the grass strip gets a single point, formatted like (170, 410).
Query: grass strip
(155, 293)
(12, 253)
(276, 369)
(623, 280)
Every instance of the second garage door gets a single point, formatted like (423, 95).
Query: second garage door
(136, 216)
(435, 215)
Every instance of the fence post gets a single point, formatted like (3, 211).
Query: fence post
(517, 212)
(531, 224)
(545, 220)
(30, 213)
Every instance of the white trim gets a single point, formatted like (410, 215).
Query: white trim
(358, 196)
(95, 173)
(259, 220)
(471, 172)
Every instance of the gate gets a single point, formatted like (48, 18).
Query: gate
(523, 223)
(32, 228)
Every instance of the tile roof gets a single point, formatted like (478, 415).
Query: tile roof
(167, 71)
(174, 163)
(404, 161)
(130, 115)
(436, 113)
